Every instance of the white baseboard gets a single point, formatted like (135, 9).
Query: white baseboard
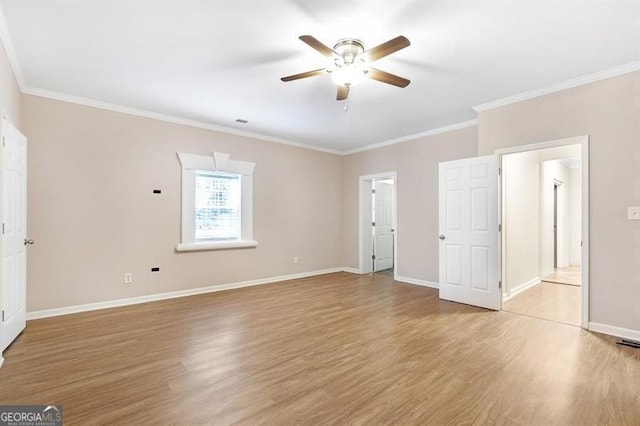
(1, 360)
(416, 281)
(611, 330)
(523, 287)
(351, 270)
(173, 294)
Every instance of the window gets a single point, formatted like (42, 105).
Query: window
(218, 206)
(216, 203)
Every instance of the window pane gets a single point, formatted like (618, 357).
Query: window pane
(218, 200)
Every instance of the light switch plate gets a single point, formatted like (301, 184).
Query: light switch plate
(633, 213)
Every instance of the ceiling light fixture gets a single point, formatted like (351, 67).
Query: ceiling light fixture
(348, 76)
(350, 68)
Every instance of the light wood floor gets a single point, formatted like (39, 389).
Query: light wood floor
(388, 272)
(550, 301)
(335, 349)
(569, 275)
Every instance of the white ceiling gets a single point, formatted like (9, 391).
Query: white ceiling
(216, 61)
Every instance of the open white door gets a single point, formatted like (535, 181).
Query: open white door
(468, 201)
(13, 274)
(383, 226)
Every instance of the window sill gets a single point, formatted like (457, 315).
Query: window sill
(218, 245)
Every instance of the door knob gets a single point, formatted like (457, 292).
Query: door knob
(28, 242)
(442, 237)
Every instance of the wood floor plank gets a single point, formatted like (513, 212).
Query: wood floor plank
(333, 349)
(550, 301)
(570, 275)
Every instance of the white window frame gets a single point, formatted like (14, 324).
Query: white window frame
(217, 162)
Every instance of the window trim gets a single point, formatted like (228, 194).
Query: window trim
(218, 162)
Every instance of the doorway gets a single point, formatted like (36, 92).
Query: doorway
(377, 229)
(544, 231)
(382, 226)
(473, 247)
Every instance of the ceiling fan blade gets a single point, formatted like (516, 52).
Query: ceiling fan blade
(343, 93)
(304, 74)
(387, 77)
(319, 46)
(386, 48)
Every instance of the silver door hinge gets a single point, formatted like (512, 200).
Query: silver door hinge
(499, 171)
(373, 191)
(373, 224)
(373, 256)
(500, 284)
(3, 228)
(499, 227)
(2, 316)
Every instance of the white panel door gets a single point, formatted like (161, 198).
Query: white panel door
(13, 273)
(468, 198)
(383, 228)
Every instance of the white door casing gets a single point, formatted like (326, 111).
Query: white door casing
(383, 228)
(365, 236)
(468, 228)
(14, 222)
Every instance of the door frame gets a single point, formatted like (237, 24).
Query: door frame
(555, 224)
(365, 265)
(577, 140)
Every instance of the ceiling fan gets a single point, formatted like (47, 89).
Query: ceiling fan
(351, 63)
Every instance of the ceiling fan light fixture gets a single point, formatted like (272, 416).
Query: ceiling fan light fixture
(349, 75)
(350, 63)
(349, 67)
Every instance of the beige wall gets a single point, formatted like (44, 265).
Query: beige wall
(94, 217)
(416, 163)
(609, 112)
(521, 219)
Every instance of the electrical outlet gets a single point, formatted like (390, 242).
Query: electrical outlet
(128, 278)
(633, 213)
(296, 259)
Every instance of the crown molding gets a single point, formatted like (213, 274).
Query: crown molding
(7, 42)
(50, 94)
(44, 93)
(414, 136)
(564, 85)
(602, 75)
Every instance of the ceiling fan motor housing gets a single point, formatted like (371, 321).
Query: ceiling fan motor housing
(349, 49)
